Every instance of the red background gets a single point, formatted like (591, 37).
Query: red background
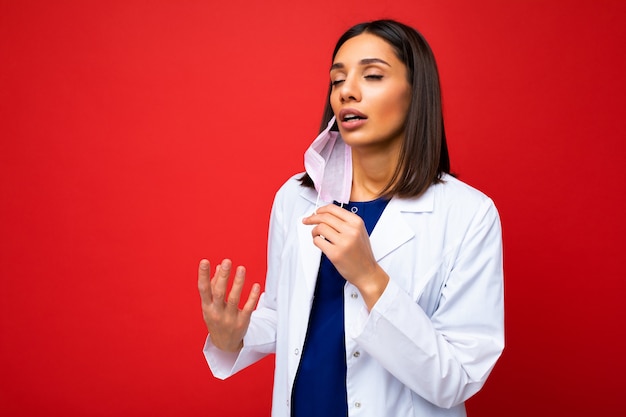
(140, 136)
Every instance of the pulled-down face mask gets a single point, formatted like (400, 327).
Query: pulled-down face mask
(328, 161)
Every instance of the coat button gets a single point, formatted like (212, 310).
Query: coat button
(296, 351)
(354, 295)
(356, 354)
(357, 404)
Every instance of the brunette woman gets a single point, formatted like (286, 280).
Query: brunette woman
(384, 289)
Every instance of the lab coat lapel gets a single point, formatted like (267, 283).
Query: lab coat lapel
(390, 232)
(301, 298)
(392, 229)
(309, 256)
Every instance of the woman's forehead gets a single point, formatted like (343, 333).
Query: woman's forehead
(364, 46)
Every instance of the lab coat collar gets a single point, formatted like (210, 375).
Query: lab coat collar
(423, 203)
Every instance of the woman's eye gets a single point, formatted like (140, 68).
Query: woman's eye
(336, 82)
(374, 77)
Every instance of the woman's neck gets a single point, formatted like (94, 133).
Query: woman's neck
(371, 172)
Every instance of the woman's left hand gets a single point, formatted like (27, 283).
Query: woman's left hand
(342, 237)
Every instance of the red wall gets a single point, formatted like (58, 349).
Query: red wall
(138, 136)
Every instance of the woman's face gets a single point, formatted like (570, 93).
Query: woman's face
(370, 93)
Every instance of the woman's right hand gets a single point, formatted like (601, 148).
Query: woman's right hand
(227, 324)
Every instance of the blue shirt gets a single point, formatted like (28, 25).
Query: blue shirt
(320, 383)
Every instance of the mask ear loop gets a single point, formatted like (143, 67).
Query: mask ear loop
(317, 200)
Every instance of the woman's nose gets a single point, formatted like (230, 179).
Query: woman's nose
(350, 90)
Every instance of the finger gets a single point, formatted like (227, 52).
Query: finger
(336, 211)
(220, 280)
(308, 219)
(253, 297)
(235, 292)
(204, 281)
(325, 245)
(346, 216)
(325, 232)
(327, 218)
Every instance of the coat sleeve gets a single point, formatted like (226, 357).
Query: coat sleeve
(260, 338)
(447, 357)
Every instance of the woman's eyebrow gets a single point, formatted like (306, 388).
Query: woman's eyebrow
(364, 61)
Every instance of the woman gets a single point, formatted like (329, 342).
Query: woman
(384, 292)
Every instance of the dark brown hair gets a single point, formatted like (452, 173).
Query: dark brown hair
(424, 154)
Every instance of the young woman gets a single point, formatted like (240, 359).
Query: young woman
(384, 289)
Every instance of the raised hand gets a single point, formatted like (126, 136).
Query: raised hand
(226, 322)
(341, 235)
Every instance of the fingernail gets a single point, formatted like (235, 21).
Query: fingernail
(204, 264)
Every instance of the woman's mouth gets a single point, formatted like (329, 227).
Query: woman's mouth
(351, 119)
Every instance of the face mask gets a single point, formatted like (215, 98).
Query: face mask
(328, 161)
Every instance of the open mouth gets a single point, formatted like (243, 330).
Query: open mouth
(352, 117)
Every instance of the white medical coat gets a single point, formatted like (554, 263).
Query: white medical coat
(432, 338)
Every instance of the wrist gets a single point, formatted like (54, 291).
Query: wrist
(227, 347)
(374, 287)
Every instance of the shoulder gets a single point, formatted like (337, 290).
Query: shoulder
(292, 196)
(459, 200)
(455, 191)
(291, 188)
(452, 201)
